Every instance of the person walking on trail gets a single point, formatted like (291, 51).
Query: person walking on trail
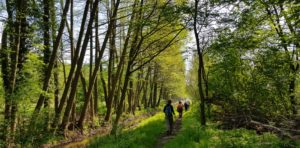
(186, 105)
(180, 109)
(169, 112)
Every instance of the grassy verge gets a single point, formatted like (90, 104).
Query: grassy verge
(193, 135)
(145, 135)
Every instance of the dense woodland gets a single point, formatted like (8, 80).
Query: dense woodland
(72, 66)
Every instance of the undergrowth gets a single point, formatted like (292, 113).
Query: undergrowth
(192, 135)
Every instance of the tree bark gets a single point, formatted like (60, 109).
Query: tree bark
(90, 76)
(5, 64)
(130, 97)
(200, 67)
(52, 59)
(123, 95)
(139, 88)
(155, 87)
(145, 90)
(78, 68)
(115, 79)
(97, 65)
(160, 94)
(97, 52)
(5, 76)
(73, 66)
(47, 53)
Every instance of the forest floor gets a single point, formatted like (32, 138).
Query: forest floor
(165, 137)
(150, 131)
(78, 140)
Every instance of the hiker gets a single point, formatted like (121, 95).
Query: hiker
(186, 105)
(169, 112)
(180, 109)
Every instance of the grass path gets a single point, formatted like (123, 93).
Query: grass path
(142, 136)
(187, 133)
(164, 138)
(80, 141)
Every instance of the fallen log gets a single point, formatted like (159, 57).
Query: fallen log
(292, 131)
(265, 127)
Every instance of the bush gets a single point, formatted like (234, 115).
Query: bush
(193, 134)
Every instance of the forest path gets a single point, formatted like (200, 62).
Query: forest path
(165, 137)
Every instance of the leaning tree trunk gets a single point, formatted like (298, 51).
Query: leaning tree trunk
(79, 67)
(200, 67)
(97, 64)
(123, 95)
(115, 79)
(52, 60)
(73, 65)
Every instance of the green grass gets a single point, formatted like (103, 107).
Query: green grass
(145, 135)
(193, 135)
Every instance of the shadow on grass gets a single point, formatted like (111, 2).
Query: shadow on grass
(145, 135)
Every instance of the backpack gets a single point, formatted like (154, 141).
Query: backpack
(168, 111)
(179, 107)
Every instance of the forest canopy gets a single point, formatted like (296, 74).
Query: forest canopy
(69, 67)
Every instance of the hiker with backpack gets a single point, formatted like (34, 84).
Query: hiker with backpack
(180, 109)
(169, 112)
(186, 105)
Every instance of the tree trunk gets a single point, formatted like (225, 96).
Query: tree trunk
(90, 76)
(98, 62)
(115, 79)
(73, 65)
(160, 94)
(96, 96)
(151, 90)
(145, 91)
(123, 95)
(47, 53)
(17, 60)
(52, 58)
(5, 76)
(139, 88)
(5, 64)
(130, 97)
(200, 67)
(79, 67)
(292, 95)
(153, 105)
(132, 52)
(108, 92)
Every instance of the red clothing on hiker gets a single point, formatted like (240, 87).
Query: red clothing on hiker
(180, 109)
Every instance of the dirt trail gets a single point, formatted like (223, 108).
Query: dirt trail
(164, 138)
